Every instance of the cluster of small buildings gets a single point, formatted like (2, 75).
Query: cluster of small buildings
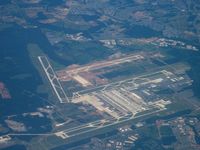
(168, 42)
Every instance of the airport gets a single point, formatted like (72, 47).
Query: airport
(122, 90)
(119, 99)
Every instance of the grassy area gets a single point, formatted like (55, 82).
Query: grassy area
(167, 135)
(149, 131)
(82, 52)
(146, 111)
(166, 131)
(45, 88)
(4, 26)
(49, 141)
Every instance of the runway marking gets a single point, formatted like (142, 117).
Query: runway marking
(53, 78)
